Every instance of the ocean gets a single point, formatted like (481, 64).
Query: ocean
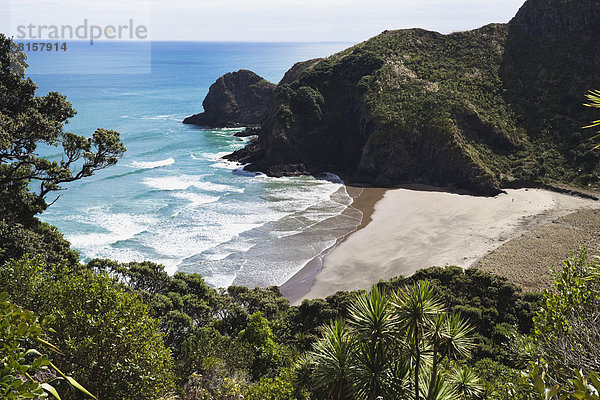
(172, 199)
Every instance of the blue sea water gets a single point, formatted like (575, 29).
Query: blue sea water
(172, 199)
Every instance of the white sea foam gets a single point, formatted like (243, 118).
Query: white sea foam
(328, 176)
(238, 238)
(186, 241)
(218, 256)
(166, 117)
(183, 182)
(117, 227)
(214, 156)
(195, 199)
(152, 164)
(260, 237)
(237, 170)
(222, 280)
(226, 164)
(217, 159)
(226, 129)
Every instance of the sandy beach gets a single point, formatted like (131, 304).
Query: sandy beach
(407, 229)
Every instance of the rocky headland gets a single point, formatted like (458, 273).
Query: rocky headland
(236, 99)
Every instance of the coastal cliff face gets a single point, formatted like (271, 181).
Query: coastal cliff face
(551, 60)
(470, 110)
(236, 99)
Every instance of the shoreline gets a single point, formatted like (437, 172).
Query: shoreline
(416, 226)
(364, 200)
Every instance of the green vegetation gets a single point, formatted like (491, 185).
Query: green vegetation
(240, 340)
(566, 335)
(25, 372)
(251, 342)
(594, 101)
(107, 337)
(27, 122)
(397, 346)
(131, 331)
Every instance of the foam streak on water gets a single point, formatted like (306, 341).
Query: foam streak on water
(206, 215)
(232, 229)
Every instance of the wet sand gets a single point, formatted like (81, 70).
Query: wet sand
(364, 199)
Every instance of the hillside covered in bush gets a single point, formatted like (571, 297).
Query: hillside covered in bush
(476, 110)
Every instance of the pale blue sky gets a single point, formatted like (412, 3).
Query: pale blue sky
(268, 20)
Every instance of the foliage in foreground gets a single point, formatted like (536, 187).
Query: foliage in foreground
(563, 352)
(395, 345)
(108, 340)
(207, 329)
(567, 327)
(593, 101)
(24, 371)
(240, 341)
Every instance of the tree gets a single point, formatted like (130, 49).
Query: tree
(331, 358)
(398, 345)
(37, 239)
(109, 340)
(567, 328)
(417, 307)
(276, 388)
(25, 372)
(466, 383)
(379, 367)
(258, 338)
(27, 121)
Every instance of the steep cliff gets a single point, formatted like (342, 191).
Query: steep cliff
(551, 60)
(471, 110)
(236, 99)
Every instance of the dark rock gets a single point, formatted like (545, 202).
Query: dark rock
(251, 153)
(551, 59)
(254, 131)
(236, 99)
(555, 19)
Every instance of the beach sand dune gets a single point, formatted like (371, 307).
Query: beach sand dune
(413, 229)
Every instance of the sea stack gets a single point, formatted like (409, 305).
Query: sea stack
(236, 99)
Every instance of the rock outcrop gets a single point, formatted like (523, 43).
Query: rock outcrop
(468, 110)
(236, 99)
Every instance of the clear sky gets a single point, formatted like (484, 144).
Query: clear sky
(267, 20)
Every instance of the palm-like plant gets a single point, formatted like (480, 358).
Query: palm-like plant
(331, 358)
(457, 341)
(594, 101)
(466, 383)
(436, 387)
(417, 307)
(303, 371)
(372, 318)
(387, 339)
(449, 337)
(377, 370)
